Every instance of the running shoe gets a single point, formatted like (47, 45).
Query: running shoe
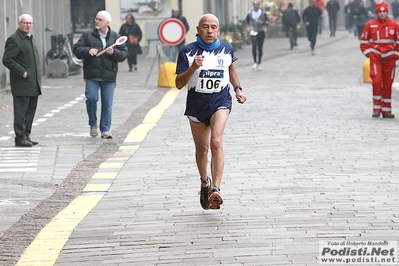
(215, 199)
(93, 130)
(204, 194)
(106, 135)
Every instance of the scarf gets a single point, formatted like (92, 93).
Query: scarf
(208, 47)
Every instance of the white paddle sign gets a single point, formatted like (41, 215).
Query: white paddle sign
(119, 41)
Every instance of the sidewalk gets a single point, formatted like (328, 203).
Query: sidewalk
(305, 162)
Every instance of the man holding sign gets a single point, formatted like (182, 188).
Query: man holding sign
(100, 70)
(176, 48)
(207, 67)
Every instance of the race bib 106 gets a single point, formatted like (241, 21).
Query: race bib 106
(210, 81)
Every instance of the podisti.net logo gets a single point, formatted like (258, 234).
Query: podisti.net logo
(358, 252)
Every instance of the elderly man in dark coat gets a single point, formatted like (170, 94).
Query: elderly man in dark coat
(21, 57)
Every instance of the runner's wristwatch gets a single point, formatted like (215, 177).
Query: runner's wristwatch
(237, 87)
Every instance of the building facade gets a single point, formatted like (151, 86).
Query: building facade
(61, 17)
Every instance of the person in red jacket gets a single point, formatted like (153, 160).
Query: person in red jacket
(380, 43)
(320, 5)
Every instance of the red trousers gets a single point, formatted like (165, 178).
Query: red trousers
(382, 73)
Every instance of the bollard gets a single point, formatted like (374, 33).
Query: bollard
(366, 71)
(57, 69)
(167, 75)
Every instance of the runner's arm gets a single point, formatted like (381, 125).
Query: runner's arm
(183, 78)
(241, 98)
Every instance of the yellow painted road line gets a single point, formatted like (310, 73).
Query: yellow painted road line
(109, 175)
(138, 133)
(133, 148)
(156, 113)
(96, 188)
(111, 165)
(47, 246)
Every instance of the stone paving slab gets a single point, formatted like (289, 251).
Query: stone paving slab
(304, 162)
(66, 154)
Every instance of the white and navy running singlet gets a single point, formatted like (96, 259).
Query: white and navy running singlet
(208, 87)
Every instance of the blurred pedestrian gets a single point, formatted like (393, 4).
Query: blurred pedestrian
(321, 6)
(100, 72)
(371, 9)
(134, 33)
(290, 20)
(332, 9)
(176, 48)
(348, 16)
(395, 10)
(21, 57)
(310, 17)
(354, 5)
(256, 21)
(379, 42)
(207, 66)
(360, 18)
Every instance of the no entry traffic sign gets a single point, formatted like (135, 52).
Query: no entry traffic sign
(171, 31)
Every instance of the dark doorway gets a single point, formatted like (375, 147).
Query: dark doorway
(83, 14)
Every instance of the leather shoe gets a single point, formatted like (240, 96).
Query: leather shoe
(388, 116)
(376, 114)
(34, 142)
(23, 143)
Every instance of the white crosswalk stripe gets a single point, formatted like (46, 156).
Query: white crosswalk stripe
(13, 159)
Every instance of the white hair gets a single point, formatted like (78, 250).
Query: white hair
(25, 16)
(106, 15)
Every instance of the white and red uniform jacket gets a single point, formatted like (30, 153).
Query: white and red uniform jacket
(380, 42)
(380, 38)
